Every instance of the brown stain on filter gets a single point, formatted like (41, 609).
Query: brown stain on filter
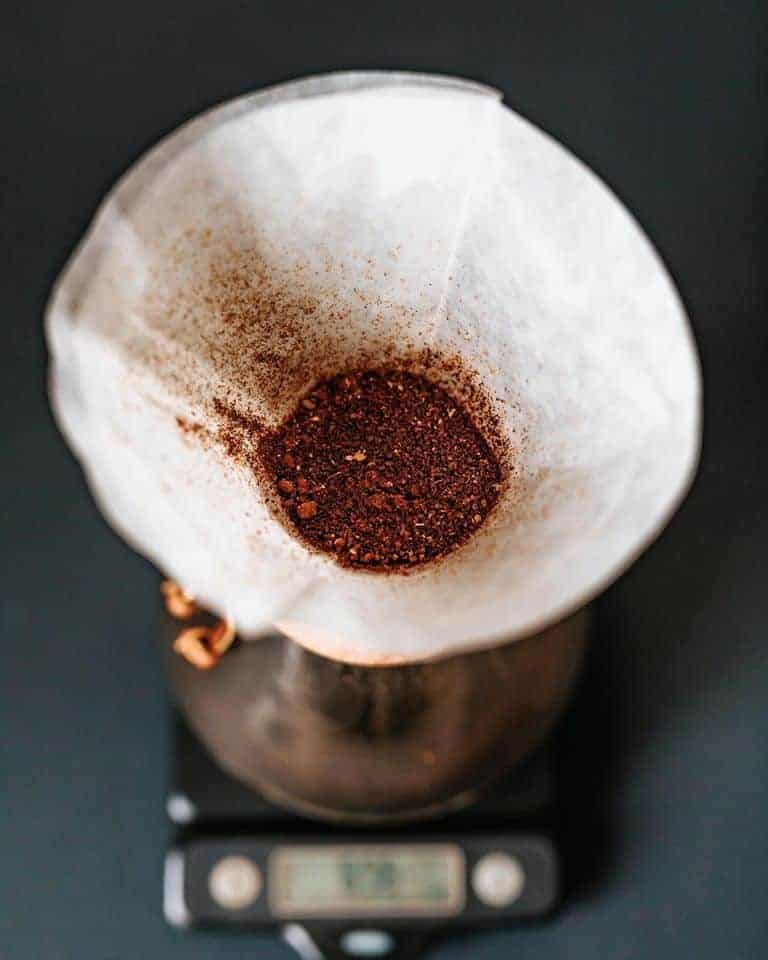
(268, 339)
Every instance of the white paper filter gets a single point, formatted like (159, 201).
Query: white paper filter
(285, 236)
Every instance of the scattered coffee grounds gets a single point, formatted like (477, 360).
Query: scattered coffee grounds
(383, 469)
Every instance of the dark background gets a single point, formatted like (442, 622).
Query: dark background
(669, 805)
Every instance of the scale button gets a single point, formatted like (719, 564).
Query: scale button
(234, 882)
(367, 943)
(498, 879)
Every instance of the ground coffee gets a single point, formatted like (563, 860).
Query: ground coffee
(383, 469)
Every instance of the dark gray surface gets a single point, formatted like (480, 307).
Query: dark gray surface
(670, 817)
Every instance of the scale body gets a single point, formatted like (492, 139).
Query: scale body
(239, 862)
(361, 811)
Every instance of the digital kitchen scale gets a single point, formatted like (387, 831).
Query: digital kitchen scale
(239, 862)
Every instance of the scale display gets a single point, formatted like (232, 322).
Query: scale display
(383, 880)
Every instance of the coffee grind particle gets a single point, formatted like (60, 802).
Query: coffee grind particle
(382, 469)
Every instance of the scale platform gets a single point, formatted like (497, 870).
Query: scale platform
(331, 891)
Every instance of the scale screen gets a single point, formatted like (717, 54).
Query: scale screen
(381, 880)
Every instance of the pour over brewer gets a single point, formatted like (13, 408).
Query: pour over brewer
(322, 226)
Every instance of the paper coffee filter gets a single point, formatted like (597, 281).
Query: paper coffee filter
(350, 221)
